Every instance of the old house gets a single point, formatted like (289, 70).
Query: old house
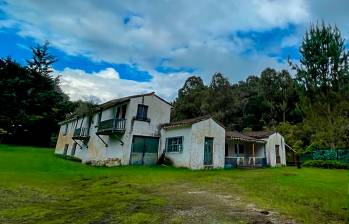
(254, 149)
(137, 130)
(194, 143)
(126, 130)
(274, 144)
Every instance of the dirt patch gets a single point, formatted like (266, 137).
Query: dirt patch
(203, 206)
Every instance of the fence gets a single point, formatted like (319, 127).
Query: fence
(341, 155)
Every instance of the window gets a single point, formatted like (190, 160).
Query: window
(174, 144)
(65, 149)
(117, 115)
(65, 129)
(142, 112)
(226, 149)
(123, 111)
(99, 118)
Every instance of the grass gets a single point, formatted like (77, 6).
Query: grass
(38, 187)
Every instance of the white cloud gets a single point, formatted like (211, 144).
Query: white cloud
(153, 30)
(108, 73)
(81, 85)
(200, 35)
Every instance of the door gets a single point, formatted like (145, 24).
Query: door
(208, 152)
(144, 150)
(65, 152)
(72, 153)
(277, 154)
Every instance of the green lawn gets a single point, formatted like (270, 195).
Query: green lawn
(38, 187)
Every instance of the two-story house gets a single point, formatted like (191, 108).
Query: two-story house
(127, 129)
(137, 130)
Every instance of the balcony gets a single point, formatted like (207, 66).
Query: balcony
(111, 126)
(81, 134)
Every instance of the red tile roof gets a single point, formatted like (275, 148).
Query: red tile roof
(260, 134)
(237, 136)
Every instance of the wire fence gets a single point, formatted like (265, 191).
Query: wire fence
(341, 155)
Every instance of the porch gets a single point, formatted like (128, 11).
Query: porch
(244, 151)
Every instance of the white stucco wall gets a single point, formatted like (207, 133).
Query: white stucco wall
(275, 139)
(192, 155)
(158, 113)
(180, 159)
(65, 139)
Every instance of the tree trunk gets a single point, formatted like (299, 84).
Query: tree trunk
(298, 162)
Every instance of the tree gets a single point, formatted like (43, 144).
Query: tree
(278, 88)
(32, 101)
(220, 100)
(323, 78)
(324, 61)
(190, 99)
(42, 60)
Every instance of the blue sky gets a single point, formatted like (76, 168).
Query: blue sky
(120, 48)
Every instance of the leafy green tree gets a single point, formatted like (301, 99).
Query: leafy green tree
(278, 89)
(190, 99)
(324, 61)
(323, 78)
(220, 100)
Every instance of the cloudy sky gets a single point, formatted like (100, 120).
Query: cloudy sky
(114, 48)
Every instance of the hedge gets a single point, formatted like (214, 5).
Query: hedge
(328, 164)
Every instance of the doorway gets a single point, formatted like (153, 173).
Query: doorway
(277, 154)
(208, 152)
(144, 150)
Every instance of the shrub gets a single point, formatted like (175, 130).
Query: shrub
(164, 160)
(328, 164)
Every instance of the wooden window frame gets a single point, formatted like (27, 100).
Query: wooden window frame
(178, 145)
(65, 131)
(142, 115)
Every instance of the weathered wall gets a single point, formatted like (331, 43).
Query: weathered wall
(192, 155)
(275, 139)
(200, 130)
(180, 159)
(158, 113)
(65, 139)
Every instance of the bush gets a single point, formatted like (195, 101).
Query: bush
(164, 160)
(328, 164)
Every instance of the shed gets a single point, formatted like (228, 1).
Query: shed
(195, 143)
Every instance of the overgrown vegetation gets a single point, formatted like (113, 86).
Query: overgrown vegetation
(32, 102)
(328, 164)
(310, 109)
(38, 187)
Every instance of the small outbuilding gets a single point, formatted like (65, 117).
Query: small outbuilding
(194, 143)
(275, 146)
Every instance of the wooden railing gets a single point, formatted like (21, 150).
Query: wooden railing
(241, 162)
(81, 133)
(112, 125)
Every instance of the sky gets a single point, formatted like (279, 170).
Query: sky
(110, 49)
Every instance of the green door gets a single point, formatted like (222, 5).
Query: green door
(208, 152)
(144, 150)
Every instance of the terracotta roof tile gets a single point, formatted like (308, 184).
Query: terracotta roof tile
(260, 134)
(237, 136)
(186, 122)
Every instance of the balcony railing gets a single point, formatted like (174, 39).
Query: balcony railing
(231, 162)
(81, 133)
(111, 126)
